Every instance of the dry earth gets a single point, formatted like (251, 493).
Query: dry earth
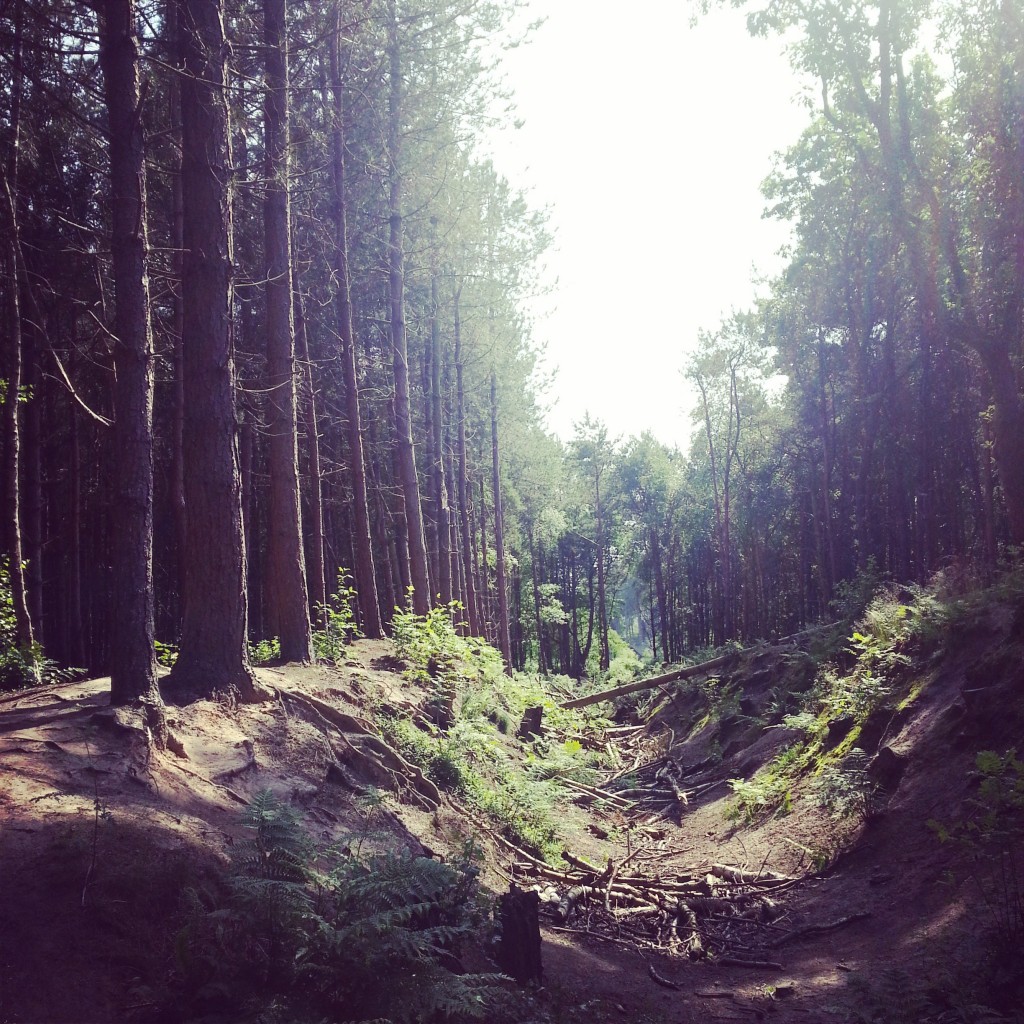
(98, 832)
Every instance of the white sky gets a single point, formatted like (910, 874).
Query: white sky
(648, 141)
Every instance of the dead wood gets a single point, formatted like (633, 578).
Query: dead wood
(763, 878)
(687, 672)
(735, 961)
(820, 929)
(659, 980)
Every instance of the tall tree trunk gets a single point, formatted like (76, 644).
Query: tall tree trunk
(132, 656)
(316, 574)
(472, 603)
(172, 34)
(504, 640)
(399, 347)
(214, 654)
(23, 632)
(286, 562)
(365, 571)
(604, 654)
(441, 509)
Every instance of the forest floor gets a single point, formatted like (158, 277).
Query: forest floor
(99, 833)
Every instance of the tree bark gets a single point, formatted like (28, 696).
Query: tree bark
(132, 655)
(364, 569)
(441, 509)
(472, 602)
(504, 639)
(316, 575)
(419, 575)
(286, 563)
(213, 652)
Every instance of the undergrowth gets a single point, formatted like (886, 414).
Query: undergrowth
(300, 933)
(882, 668)
(463, 743)
(24, 665)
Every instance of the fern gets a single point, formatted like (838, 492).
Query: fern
(293, 935)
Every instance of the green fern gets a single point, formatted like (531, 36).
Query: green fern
(296, 935)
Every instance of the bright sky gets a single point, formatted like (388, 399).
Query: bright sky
(648, 141)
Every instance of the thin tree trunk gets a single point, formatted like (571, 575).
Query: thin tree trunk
(286, 562)
(132, 656)
(441, 509)
(316, 574)
(604, 654)
(23, 633)
(399, 347)
(365, 571)
(504, 640)
(472, 602)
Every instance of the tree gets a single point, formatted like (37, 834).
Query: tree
(214, 653)
(286, 566)
(12, 393)
(132, 656)
(365, 574)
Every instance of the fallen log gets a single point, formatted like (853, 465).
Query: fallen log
(689, 671)
(686, 672)
(731, 874)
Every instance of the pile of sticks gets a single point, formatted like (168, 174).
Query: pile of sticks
(725, 913)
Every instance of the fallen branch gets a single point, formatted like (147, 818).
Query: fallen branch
(735, 961)
(820, 929)
(659, 980)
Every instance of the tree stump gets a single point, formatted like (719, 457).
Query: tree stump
(531, 723)
(518, 951)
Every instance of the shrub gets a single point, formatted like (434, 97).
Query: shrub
(337, 619)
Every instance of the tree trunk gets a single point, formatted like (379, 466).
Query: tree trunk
(286, 563)
(441, 509)
(23, 632)
(316, 574)
(504, 639)
(214, 653)
(419, 576)
(472, 602)
(364, 569)
(132, 656)
(604, 654)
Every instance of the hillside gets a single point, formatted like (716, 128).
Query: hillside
(784, 800)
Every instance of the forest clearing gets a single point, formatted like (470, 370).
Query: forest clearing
(336, 685)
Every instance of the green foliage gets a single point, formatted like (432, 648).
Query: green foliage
(297, 933)
(993, 834)
(24, 666)
(844, 788)
(166, 654)
(337, 619)
(472, 757)
(763, 795)
(264, 651)
(436, 650)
